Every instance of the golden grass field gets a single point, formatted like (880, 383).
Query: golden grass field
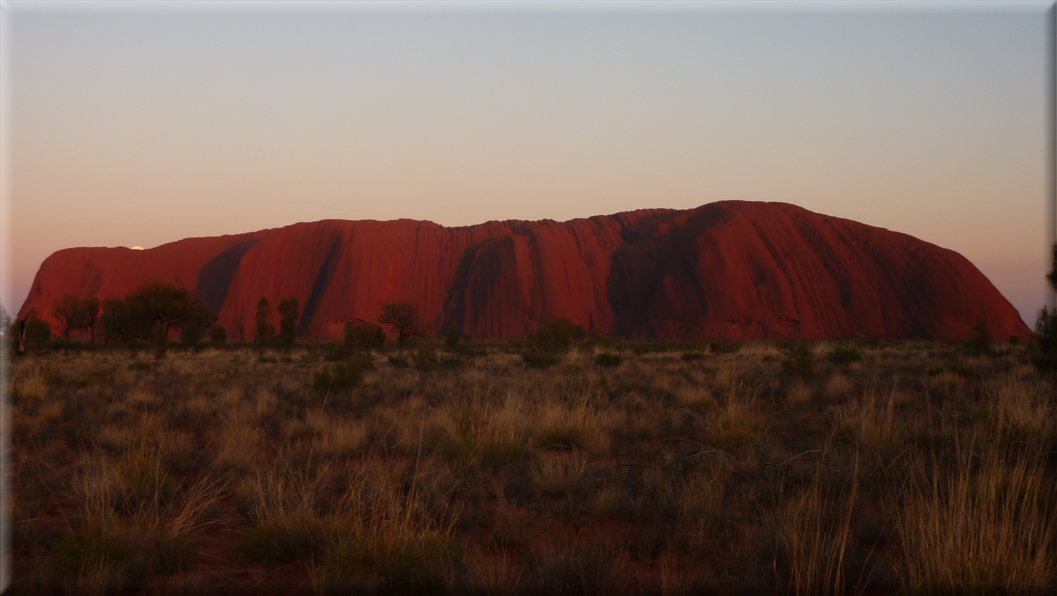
(920, 469)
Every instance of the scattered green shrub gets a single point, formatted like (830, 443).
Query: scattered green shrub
(398, 362)
(688, 356)
(607, 360)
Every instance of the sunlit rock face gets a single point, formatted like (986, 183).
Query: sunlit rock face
(726, 270)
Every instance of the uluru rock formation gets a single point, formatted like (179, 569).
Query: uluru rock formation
(726, 270)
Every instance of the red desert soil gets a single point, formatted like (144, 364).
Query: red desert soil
(726, 270)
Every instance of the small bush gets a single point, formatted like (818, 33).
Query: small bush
(844, 356)
(579, 569)
(276, 541)
(724, 347)
(189, 337)
(549, 344)
(688, 356)
(402, 561)
(608, 360)
(452, 338)
(535, 359)
(113, 555)
(337, 353)
(341, 376)
(799, 359)
(218, 336)
(980, 340)
(451, 362)
(425, 359)
(360, 335)
(398, 362)
(159, 340)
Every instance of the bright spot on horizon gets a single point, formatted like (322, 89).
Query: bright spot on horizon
(137, 248)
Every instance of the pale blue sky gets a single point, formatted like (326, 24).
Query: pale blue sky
(132, 126)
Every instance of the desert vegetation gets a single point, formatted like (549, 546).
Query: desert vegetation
(555, 465)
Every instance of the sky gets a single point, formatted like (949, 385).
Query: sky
(141, 124)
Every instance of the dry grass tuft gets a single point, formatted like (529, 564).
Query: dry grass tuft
(986, 525)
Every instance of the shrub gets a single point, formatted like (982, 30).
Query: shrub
(189, 337)
(844, 356)
(402, 560)
(535, 359)
(980, 340)
(218, 335)
(688, 356)
(405, 319)
(1046, 332)
(607, 360)
(38, 332)
(275, 541)
(549, 344)
(425, 359)
(799, 359)
(289, 314)
(451, 362)
(159, 340)
(398, 362)
(113, 555)
(451, 338)
(360, 335)
(338, 377)
(579, 569)
(724, 347)
(337, 353)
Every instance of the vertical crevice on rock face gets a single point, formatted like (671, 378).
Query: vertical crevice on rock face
(319, 287)
(214, 279)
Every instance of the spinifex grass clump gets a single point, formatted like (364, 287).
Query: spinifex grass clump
(841, 355)
(981, 521)
(109, 554)
(338, 377)
(396, 560)
(549, 344)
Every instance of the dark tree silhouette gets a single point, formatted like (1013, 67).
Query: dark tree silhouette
(404, 318)
(218, 335)
(265, 331)
(172, 307)
(1046, 324)
(288, 314)
(90, 310)
(69, 313)
(117, 327)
